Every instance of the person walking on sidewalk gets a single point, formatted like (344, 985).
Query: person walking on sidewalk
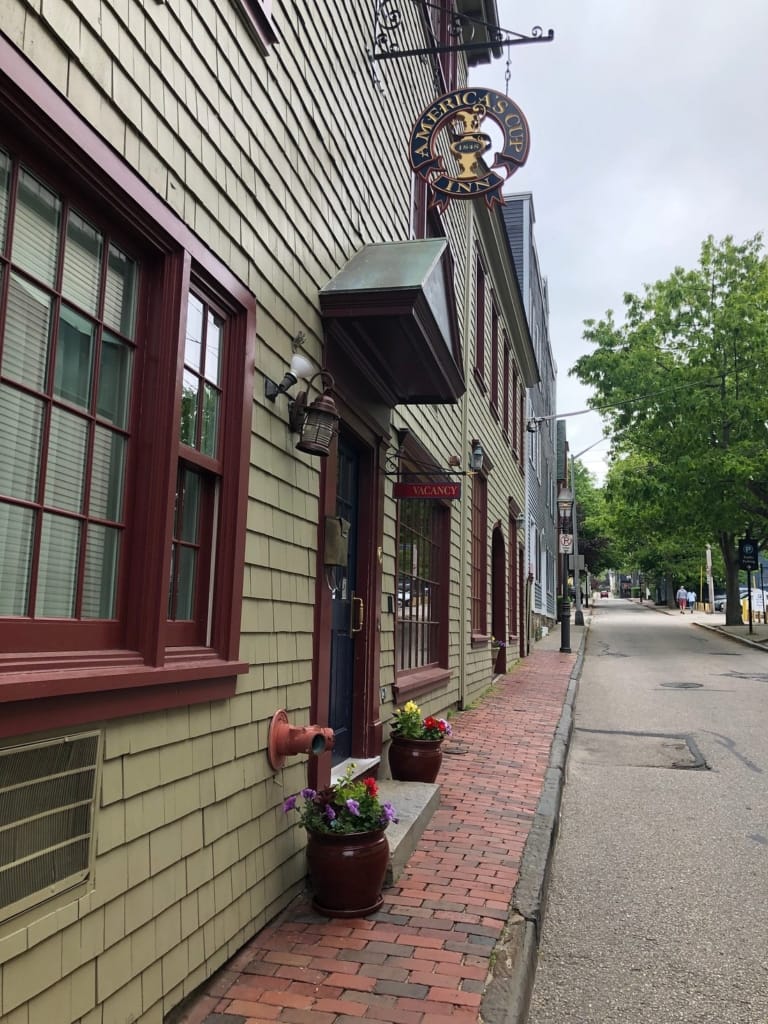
(691, 600)
(682, 599)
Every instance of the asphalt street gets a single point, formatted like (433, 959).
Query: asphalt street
(658, 903)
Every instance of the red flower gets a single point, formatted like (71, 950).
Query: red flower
(370, 785)
(431, 723)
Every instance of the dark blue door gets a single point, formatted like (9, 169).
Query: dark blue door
(347, 607)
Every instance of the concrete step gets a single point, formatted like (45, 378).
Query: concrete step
(415, 803)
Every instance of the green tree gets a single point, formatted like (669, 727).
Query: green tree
(596, 542)
(681, 383)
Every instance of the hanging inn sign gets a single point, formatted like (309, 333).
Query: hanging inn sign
(448, 145)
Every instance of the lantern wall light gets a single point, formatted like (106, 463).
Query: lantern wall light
(476, 457)
(317, 422)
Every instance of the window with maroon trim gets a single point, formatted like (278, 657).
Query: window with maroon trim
(479, 321)
(117, 506)
(422, 583)
(258, 17)
(479, 554)
(426, 222)
(442, 21)
(505, 401)
(521, 422)
(515, 412)
(68, 304)
(494, 359)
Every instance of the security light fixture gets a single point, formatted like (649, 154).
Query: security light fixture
(301, 368)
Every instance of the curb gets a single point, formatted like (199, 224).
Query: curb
(508, 994)
(733, 636)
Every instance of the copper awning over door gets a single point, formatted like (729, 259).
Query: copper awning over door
(392, 313)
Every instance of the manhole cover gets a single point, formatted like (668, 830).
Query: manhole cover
(683, 686)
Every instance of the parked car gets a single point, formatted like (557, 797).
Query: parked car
(720, 599)
(605, 593)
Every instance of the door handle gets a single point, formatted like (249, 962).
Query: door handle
(357, 616)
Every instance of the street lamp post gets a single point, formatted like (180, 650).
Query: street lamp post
(578, 615)
(565, 514)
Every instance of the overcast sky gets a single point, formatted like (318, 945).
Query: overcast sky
(649, 131)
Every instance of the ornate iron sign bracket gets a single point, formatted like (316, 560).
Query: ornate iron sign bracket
(389, 43)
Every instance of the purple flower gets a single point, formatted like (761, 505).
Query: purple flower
(329, 812)
(448, 729)
(309, 794)
(353, 807)
(389, 811)
(289, 804)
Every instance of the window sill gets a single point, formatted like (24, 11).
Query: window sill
(412, 684)
(480, 639)
(63, 694)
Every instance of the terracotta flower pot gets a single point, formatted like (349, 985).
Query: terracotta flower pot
(347, 872)
(415, 760)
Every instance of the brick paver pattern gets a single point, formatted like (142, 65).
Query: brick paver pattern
(425, 956)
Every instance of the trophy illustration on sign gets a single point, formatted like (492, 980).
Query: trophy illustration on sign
(470, 143)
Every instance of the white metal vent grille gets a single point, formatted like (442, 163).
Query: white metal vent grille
(47, 799)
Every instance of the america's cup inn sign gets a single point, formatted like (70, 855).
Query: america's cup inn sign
(453, 124)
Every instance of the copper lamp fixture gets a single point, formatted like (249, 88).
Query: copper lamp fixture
(318, 422)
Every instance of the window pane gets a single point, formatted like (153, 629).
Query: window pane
(21, 419)
(82, 264)
(420, 577)
(16, 529)
(188, 506)
(5, 173)
(213, 348)
(194, 338)
(27, 331)
(59, 548)
(114, 380)
(66, 461)
(210, 431)
(189, 409)
(74, 358)
(107, 475)
(120, 297)
(186, 563)
(36, 229)
(100, 585)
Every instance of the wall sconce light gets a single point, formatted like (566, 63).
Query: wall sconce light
(302, 368)
(316, 423)
(520, 520)
(476, 458)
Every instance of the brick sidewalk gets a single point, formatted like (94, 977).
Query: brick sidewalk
(425, 956)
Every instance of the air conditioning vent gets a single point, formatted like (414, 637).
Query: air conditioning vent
(47, 801)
